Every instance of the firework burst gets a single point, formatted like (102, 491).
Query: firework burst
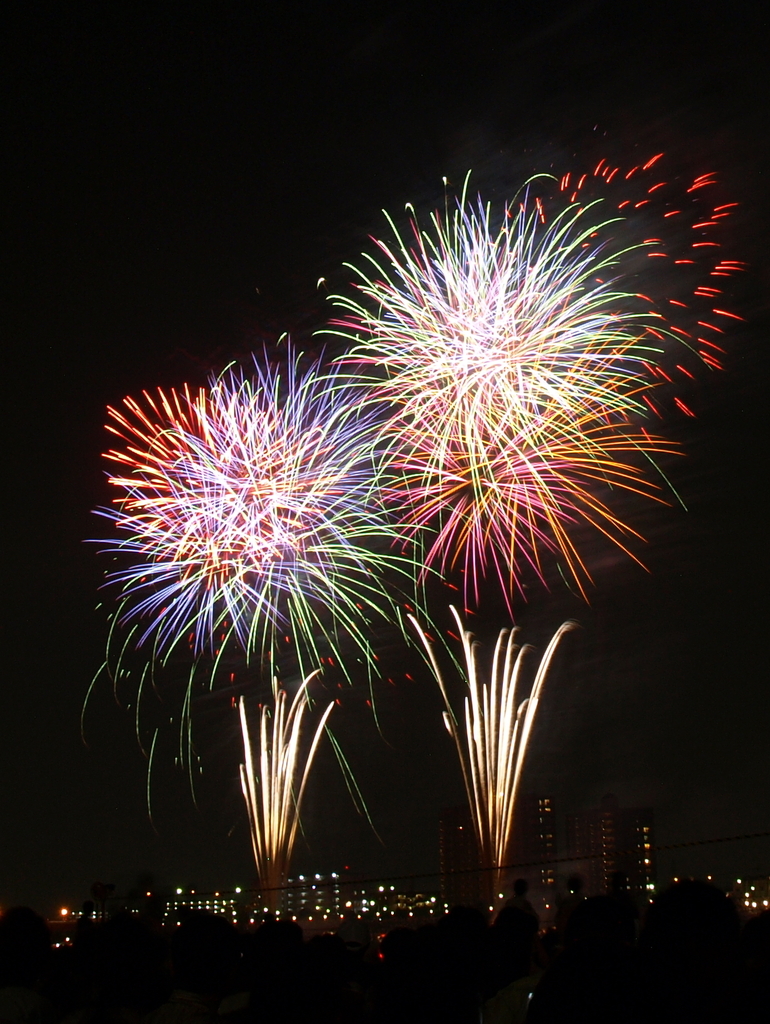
(274, 783)
(491, 736)
(245, 513)
(515, 368)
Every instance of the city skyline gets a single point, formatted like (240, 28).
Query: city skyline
(550, 848)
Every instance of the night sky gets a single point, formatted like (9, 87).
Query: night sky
(180, 177)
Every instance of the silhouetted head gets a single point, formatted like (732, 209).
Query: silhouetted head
(510, 945)
(513, 921)
(691, 921)
(124, 960)
(514, 929)
(466, 922)
(597, 919)
(25, 945)
(204, 951)
(327, 950)
(755, 941)
(398, 945)
(288, 935)
(520, 887)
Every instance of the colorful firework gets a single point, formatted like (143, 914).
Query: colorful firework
(274, 783)
(678, 227)
(492, 741)
(516, 362)
(246, 514)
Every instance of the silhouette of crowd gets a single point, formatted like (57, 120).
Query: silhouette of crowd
(686, 959)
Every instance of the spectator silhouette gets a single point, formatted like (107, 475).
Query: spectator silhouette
(330, 994)
(393, 993)
(510, 945)
(755, 969)
(25, 953)
(690, 943)
(596, 977)
(271, 974)
(510, 976)
(572, 900)
(433, 975)
(519, 899)
(120, 965)
(354, 932)
(463, 933)
(205, 951)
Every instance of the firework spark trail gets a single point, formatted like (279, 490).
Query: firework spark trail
(274, 783)
(515, 368)
(492, 740)
(246, 513)
(497, 506)
(678, 227)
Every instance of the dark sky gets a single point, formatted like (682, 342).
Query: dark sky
(179, 177)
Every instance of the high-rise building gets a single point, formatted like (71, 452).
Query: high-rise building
(533, 845)
(534, 840)
(307, 895)
(459, 858)
(611, 838)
